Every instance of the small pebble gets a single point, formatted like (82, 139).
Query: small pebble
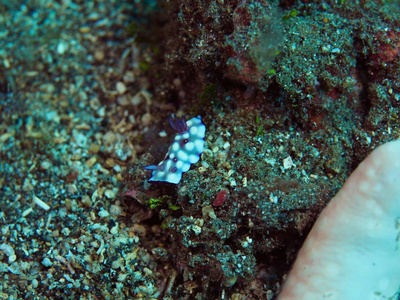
(121, 87)
(47, 262)
(103, 213)
(109, 194)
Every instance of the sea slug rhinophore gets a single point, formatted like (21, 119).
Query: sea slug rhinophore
(184, 151)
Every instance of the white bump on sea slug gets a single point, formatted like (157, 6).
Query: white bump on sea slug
(179, 165)
(193, 130)
(190, 122)
(201, 132)
(175, 147)
(174, 177)
(185, 167)
(189, 146)
(193, 158)
(185, 135)
(182, 155)
(199, 144)
(168, 165)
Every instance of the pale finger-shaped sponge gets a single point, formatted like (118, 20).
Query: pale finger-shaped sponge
(353, 250)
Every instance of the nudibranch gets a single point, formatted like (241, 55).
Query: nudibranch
(184, 151)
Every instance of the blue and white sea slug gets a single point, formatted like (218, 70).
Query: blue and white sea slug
(184, 151)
